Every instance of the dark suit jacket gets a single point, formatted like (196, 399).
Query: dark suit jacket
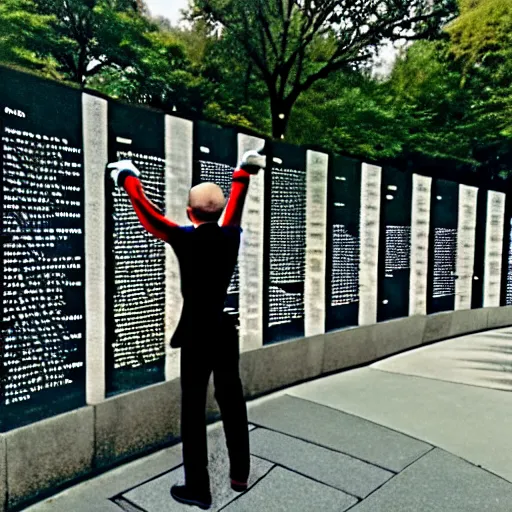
(207, 257)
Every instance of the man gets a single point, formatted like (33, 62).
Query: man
(207, 253)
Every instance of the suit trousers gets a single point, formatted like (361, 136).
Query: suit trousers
(199, 358)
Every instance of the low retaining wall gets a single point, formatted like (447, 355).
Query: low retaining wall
(46, 456)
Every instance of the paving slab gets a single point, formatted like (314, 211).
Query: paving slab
(480, 360)
(154, 496)
(333, 468)
(471, 422)
(284, 491)
(339, 431)
(441, 482)
(94, 495)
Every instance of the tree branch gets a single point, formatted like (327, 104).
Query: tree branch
(242, 39)
(331, 66)
(306, 40)
(264, 23)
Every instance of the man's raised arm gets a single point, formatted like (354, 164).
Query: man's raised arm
(126, 175)
(252, 162)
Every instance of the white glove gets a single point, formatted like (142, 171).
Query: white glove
(252, 162)
(125, 167)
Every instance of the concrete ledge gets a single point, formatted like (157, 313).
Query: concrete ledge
(138, 421)
(246, 370)
(281, 364)
(49, 453)
(398, 335)
(438, 326)
(467, 321)
(3, 473)
(499, 317)
(349, 347)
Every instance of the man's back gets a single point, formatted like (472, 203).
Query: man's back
(207, 257)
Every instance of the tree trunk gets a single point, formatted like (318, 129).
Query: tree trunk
(81, 67)
(247, 83)
(281, 111)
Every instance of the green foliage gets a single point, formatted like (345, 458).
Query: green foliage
(295, 43)
(215, 113)
(483, 26)
(24, 35)
(350, 113)
(447, 100)
(427, 82)
(481, 41)
(89, 35)
(156, 72)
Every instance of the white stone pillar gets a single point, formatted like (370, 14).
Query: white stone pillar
(316, 242)
(493, 248)
(466, 233)
(178, 180)
(420, 230)
(251, 254)
(95, 139)
(371, 179)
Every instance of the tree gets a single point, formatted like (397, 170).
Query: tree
(90, 35)
(483, 26)
(349, 113)
(159, 74)
(24, 35)
(481, 41)
(426, 82)
(295, 43)
(232, 93)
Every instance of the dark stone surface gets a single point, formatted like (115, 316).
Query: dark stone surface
(284, 491)
(339, 431)
(441, 482)
(335, 469)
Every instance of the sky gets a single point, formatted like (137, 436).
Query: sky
(168, 8)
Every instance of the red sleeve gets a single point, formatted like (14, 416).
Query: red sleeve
(149, 215)
(235, 206)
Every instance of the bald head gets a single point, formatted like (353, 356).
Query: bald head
(207, 202)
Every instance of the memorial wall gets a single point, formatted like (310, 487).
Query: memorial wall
(443, 244)
(393, 243)
(343, 245)
(42, 252)
(286, 232)
(508, 271)
(135, 259)
(395, 248)
(480, 213)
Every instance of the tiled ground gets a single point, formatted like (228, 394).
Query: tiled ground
(405, 435)
(309, 457)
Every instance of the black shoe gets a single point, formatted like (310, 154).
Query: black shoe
(183, 494)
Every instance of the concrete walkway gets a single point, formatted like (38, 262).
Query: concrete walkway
(426, 431)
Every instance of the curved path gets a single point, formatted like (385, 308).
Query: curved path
(425, 431)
